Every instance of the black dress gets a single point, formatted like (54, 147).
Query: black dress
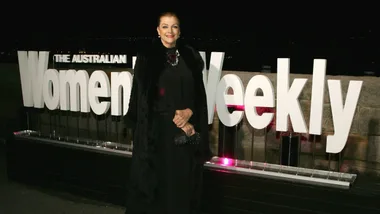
(177, 173)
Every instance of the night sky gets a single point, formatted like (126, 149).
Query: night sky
(307, 23)
(345, 33)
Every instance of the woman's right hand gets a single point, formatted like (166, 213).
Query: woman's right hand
(181, 117)
(188, 129)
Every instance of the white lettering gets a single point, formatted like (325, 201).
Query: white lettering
(69, 90)
(51, 89)
(73, 83)
(342, 115)
(252, 101)
(213, 76)
(133, 62)
(32, 65)
(121, 84)
(287, 100)
(61, 58)
(317, 96)
(223, 99)
(107, 59)
(99, 86)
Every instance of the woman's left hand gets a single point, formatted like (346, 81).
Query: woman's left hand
(181, 117)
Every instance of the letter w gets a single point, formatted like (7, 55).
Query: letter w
(211, 79)
(32, 66)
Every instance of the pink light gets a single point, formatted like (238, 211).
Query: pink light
(260, 110)
(226, 161)
(236, 107)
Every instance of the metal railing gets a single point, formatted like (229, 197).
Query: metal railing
(110, 134)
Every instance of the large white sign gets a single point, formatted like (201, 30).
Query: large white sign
(75, 90)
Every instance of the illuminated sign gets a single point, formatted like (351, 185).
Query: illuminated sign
(60, 90)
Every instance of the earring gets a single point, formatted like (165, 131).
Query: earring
(159, 36)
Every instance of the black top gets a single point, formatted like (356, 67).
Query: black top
(175, 85)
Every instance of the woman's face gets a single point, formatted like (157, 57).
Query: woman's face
(168, 30)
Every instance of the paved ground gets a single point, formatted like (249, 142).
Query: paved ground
(17, 198)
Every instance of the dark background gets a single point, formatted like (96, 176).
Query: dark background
(252, 34)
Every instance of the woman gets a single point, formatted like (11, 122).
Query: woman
(168, 100)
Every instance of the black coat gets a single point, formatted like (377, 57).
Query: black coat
(150, 63)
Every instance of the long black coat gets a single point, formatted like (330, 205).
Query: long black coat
(150, 63)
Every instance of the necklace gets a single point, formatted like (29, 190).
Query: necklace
(173, 58)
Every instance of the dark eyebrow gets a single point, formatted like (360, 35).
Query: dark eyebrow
(168, 24)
